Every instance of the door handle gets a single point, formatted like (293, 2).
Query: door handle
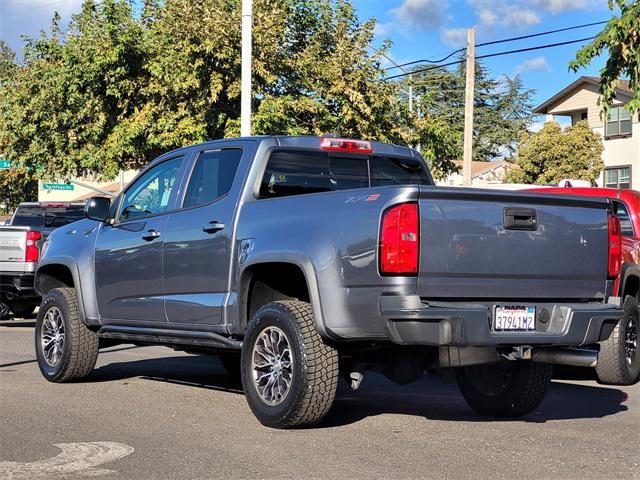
(151, 235)
(213, 227)
(520, 219)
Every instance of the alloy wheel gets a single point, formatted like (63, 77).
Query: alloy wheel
(52, 337)
(272, 365)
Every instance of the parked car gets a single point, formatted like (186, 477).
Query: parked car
(20, 243)
(297, 257)
(618, 360)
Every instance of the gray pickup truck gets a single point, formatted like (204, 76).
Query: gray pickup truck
(20, 243)
(299, 258)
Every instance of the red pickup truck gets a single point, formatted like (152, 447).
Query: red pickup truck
(618, 359)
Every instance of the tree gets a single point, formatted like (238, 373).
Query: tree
(621, 38)
(502, 107)
(7, 61)
(16, 185)
(552, 154)
(122, 88)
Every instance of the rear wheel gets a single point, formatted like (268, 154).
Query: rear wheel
(505, 389)
(4, 310)
(618, 359)
(289, 374)
(65, 347)
(22, 309)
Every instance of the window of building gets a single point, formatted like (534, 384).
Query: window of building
(212, 176)
(618, 122)
(618, 177)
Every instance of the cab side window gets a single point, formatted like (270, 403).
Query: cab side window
(150, 194)
(212, 176)
(625, 220)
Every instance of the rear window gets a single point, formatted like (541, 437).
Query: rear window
(291, 172)
(51, 217)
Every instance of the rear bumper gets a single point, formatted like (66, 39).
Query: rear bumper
(410, 321)
(20, 284)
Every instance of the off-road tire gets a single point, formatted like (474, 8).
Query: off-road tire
(612, 367)
(315, 367)
(231, 363)
(80, 350)
(515, 389)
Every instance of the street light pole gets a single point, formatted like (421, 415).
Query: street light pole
(245, 89)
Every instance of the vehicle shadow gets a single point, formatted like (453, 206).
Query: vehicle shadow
(428, 398)
(22, 322)
(202, 371)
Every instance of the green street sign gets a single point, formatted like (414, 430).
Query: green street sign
(57, 186)
(5, 164)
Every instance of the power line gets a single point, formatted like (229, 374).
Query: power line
(513, 39)
(42, 5)
(504, 40)
(498, 54)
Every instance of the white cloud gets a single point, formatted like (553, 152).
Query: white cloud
(558, 6)
(426, 15)
(487, 18)
(29, 17)
(454, 37)
(517, 14)
(535, 63)
(518, 17)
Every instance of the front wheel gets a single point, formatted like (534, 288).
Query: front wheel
(505, 389)
(289, 374)
(65, 347)
(618, 359)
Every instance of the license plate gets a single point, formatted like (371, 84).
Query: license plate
(514, 318)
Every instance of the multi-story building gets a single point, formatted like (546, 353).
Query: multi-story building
(620, 130)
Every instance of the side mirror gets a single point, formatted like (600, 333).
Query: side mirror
(97, 208)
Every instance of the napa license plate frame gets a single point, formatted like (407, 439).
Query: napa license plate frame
(514, 318)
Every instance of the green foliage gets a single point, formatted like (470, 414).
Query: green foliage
(621, 38)
(551, 155)
(119, 90)
(502, 107)
(16, 185)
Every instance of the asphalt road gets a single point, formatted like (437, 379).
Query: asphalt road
(152, 413)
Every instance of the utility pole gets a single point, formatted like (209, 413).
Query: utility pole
(245, 91)
(468, 107)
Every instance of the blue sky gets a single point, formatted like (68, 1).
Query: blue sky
(430, 28)
(423, 29)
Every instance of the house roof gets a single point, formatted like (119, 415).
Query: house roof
(112, 187)
(622, 88)
(479, 168)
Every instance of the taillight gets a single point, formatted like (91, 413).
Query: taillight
(400, 240)
(32, 253)
(615, 246)
(345, 145)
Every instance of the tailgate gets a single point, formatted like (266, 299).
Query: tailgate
(13, 242)
(483, 244)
